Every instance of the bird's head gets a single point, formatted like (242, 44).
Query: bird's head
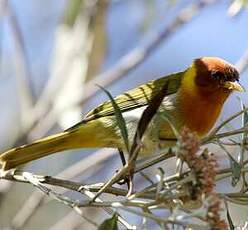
(216, 75)
(205, 86)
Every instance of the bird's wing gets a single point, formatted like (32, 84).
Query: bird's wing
(134, 98)
(137, 97)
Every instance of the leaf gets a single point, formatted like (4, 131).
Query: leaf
(245, 116)
(235, 166)
(147, 116)
(137, 97)
(109, 224)
(169, 119)
(230, 222)
(243, 135)
(120, 120)
(236, 170)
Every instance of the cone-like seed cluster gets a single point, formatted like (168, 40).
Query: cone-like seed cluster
(204, 167)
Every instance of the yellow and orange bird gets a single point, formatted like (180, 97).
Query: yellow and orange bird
(194, 99)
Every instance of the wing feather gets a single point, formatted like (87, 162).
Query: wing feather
(135, 98)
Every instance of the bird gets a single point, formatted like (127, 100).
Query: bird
(194, 98)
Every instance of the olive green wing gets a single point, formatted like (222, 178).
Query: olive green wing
(136, 97)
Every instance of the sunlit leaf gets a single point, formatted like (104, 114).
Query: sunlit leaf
(120, 120)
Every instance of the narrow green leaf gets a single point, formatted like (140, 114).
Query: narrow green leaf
(109, 224)
(236, 170)
(147, 115)
(243, 135)
(230, 222)
(235, 166)
(169, 119)
(245, 118)
(120, 120)
(245, 122)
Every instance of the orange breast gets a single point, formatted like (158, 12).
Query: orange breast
(198, 111)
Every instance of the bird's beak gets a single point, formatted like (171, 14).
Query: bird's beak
(233, 85)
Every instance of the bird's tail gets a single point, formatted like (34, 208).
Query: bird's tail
(83, 137)
(43, 147)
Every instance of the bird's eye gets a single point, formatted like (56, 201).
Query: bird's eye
(217, 75)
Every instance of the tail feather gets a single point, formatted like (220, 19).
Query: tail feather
(88, 135)
(38, 149)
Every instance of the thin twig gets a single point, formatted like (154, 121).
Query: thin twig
(36, 181)
(39, 181)
(225, 122)
(36, 199)
(211, 139)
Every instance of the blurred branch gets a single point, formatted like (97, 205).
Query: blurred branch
(98, 31)
(127, 63)
(134, 58)
(3, 4)
(73, 61)
(236, 7)
(78, 40)
(164, 190)
(22, 73)
(70, 222)
(72, 11)
(22, 67)
(242, 63)
(83, 16)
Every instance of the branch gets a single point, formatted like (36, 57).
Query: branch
(137, 56)
(242, 63)
(127, 63)
(37, 199)
(40, 181)
(37, 182)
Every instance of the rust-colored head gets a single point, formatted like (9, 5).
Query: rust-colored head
(205, 87)
(216, 74)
